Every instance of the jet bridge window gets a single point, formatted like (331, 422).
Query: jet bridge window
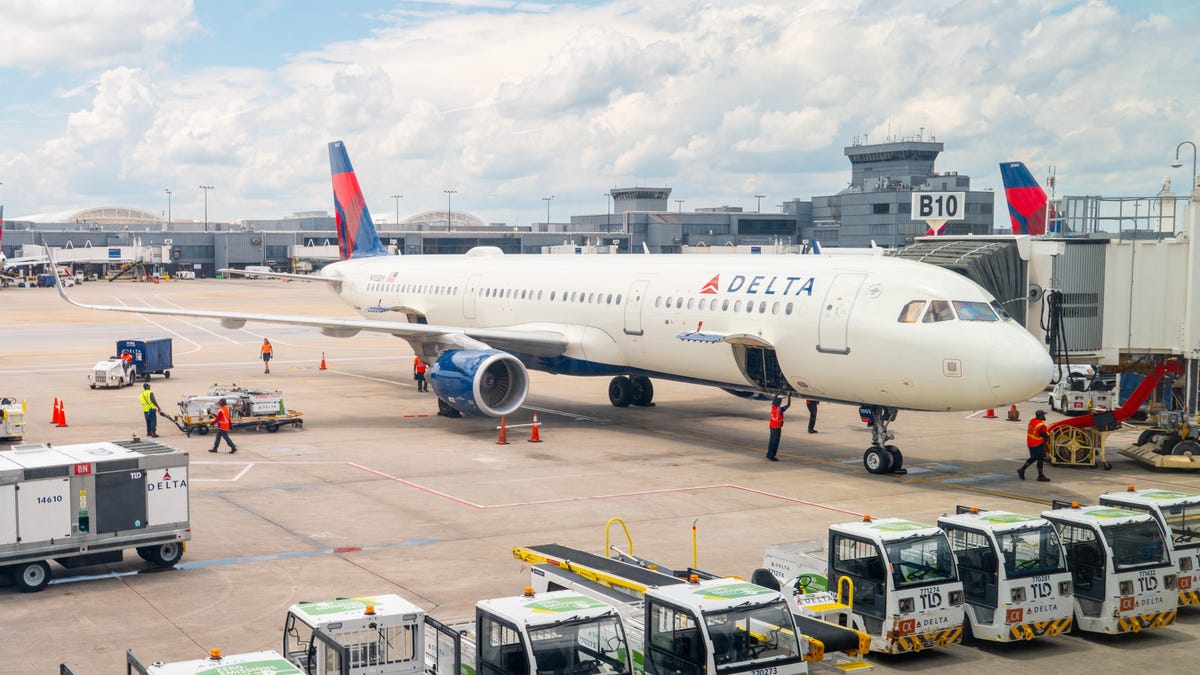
(911, 311)
(939, 310)
(974, 311)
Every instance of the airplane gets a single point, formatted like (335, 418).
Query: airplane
(1028, 208)
(885, 332)
(7, 262)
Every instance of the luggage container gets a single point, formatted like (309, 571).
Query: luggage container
(84, 504)
(248, 409)
(151, 356)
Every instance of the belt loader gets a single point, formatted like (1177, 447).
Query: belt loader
(1122, 570)
(695, 622)
(84, 504)
(892, 579)
(1016, 585)
(1178, 513)
(532, 634)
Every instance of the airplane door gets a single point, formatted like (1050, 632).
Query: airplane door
(633, 307)
(835, 313)
(469, 296)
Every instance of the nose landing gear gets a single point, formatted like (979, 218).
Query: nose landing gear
(880, 457)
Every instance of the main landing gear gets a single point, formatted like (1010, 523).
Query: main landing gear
(881, 457)
(638, 390)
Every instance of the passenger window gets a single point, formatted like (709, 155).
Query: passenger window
(737, 306)
(911, 311)
(618, 299)
(539, 295)
(762, 307)
(679, 303)
(788, 309)
(939, 310)
(668, 302)
(974, 311)
(691, 302)
(591, 297)
(610, 298)
(775, 308)
(552, 295)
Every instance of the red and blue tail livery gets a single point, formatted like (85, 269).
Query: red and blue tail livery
(356, 233)
(1028, 207)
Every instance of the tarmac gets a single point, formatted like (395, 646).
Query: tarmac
(377, 494)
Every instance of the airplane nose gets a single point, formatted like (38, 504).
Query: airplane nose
(1018, 368)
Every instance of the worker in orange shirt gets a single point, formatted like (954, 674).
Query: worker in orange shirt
(776, 425)
(267, 352)
(1036, 438)
(221, 422)
(419, 368)
(126, 361)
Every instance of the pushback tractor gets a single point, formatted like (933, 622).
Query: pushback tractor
(1122, 570)
(890, 578)
(1178, 513)
(1016, 585)
(695, 622)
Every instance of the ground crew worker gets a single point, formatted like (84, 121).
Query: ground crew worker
(812, 415)
(419, 374)
(1036, 438)
(221, 422)
(777, 411)
(126, 361)
(267, 353)
(149, 410)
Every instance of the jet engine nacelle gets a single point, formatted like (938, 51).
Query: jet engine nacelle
(481, 383)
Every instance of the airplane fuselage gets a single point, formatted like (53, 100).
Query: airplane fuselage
(833, 323)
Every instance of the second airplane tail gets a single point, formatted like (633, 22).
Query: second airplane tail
(356, 233)
(1028, 207)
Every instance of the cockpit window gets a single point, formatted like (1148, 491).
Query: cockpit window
(974, 311)
(1001, 312)
(911, 311)
(939, 310)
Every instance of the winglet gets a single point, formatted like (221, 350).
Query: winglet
(1027, 203)
(356, 233)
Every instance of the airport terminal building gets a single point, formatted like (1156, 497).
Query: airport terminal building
(874, 207)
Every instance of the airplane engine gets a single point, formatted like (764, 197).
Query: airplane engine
(480, 383)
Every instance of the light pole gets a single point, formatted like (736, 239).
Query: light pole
(448, 193)
(608, 202)
(680, 203)
(547, 200)
(168, 191)
(1176, 164)
(758, 209)
(206, 188)
(397, 198)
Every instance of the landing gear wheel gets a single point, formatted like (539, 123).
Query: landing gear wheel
(164, 555)
(446, 410)
(897, 459)
(877, 460)
(31, 577)
(643, 391)
(1187, 447)
(620, 391)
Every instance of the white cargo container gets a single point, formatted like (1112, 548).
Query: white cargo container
(84, 504)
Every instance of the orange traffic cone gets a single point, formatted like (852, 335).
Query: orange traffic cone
(54, 413)
(533, 437)
(503, 439)
(991, 414)
(1014, 415)
(62, 414)
(323, 362)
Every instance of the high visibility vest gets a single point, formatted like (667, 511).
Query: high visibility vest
(776, 417)
(222, 418)
(419, 365)
(266, 348)
(1036, 434)
(147, 403)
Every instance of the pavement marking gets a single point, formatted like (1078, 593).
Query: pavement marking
(574, 416)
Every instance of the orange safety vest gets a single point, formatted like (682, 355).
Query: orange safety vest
(266, 348)
(776, 417)
(222, 418)
(419, 365)
(1036, 434)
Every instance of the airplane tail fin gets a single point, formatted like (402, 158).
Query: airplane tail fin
(356, 233)
(1028, 207)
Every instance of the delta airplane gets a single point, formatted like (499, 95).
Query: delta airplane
(1028, 208)
(6, 262)
(883, 332)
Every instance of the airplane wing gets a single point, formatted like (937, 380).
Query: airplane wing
(336, 283)
(542, 343)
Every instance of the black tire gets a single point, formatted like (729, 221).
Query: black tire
(447, 410)
(897, 457)
(272, 427)
(92, 385)
(643, 391)
(165, 555)
(877, 461)
(1062, 408)
(31, 577)
(1186, 447)
(202, 429)
(620, 391)
(1147, 436)
(147, 377)
(144, 553)
(167, 374)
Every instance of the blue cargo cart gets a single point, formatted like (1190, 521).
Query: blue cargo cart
(151, 356)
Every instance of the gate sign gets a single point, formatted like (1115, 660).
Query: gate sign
(941, 206)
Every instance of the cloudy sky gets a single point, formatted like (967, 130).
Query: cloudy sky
(507, 102)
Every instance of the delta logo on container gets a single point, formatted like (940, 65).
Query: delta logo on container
(166, 483)
(761, 284)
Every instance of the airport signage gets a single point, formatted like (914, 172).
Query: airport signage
(939, 205)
